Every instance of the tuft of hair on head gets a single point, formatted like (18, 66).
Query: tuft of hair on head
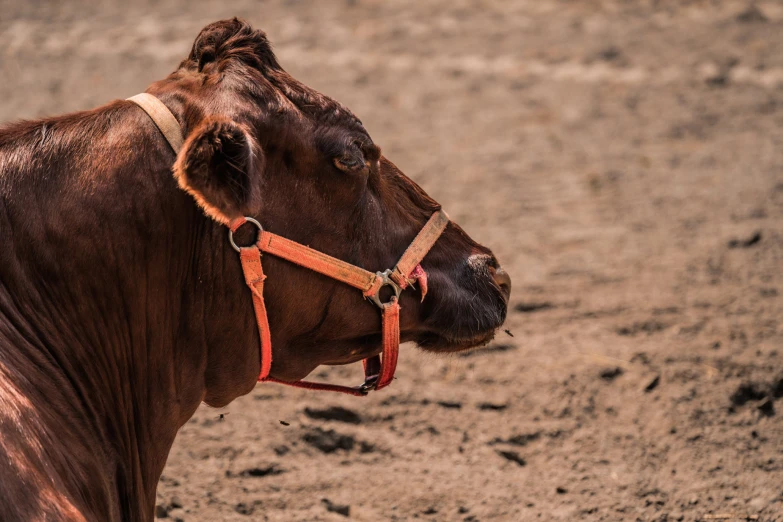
(234, 40)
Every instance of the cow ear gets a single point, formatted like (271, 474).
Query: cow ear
(217, 166)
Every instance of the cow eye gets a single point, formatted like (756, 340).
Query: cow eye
(350, 162)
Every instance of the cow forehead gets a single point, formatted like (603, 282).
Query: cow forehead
(307, 115)
(230, 53)
(315, 106)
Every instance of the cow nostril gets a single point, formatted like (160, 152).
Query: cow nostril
(503, 280)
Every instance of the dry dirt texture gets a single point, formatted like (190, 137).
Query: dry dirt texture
(624, 161)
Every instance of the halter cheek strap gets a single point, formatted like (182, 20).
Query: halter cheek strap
(378, 369)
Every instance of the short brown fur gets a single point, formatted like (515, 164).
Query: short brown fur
(122, 306)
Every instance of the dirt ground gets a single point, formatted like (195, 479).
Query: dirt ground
(624, 161)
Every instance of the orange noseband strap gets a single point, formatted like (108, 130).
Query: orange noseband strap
(379, 370)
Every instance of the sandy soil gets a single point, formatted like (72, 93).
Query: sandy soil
(624, 161)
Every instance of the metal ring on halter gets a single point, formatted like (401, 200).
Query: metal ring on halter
(231, 232)
(385, 281)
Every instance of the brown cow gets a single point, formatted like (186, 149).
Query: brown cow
(123, 307)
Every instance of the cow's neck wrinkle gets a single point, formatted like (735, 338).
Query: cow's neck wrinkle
(112, 300)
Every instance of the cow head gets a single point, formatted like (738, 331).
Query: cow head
(261, 144)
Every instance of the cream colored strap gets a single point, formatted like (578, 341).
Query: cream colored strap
(162, 117)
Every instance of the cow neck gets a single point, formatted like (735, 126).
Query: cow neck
(378, 369)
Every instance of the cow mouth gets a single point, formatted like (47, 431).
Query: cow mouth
(428, 341)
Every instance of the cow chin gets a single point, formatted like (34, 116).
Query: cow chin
(436, 343)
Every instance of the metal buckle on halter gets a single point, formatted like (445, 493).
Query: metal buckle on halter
(368, 385)
(385, 281)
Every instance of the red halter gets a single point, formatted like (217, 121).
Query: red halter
(378, 372)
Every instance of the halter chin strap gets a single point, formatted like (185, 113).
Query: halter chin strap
(378, 369)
